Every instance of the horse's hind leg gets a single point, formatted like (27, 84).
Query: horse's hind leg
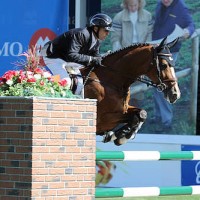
(131, 128)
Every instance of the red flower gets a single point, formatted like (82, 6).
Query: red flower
(38, 71)
(2, 79)
(41, 82)
(63, 82)
(19, 80)
(21, 77)
(9, 75)
(31, 80)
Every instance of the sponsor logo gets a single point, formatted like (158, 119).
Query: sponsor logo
(197, 171)
(39, 38)
(11, 49)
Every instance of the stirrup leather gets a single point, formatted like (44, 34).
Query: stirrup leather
(74, 84)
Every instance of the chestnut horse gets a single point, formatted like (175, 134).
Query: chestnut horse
(110, 84)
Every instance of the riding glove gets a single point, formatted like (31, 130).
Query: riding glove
(96, 61)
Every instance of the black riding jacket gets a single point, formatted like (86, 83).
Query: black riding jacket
(74, 46)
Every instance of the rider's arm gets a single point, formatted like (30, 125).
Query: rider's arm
(76, 46)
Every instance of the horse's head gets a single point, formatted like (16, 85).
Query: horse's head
(165, 78)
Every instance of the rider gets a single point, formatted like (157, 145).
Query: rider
(77, 48)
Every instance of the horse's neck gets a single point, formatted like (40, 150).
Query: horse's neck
(130, 62)
(122, 67)
(110, 59)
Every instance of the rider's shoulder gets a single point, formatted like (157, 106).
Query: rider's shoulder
(77, 30)
(84, 32)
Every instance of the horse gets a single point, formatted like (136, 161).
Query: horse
(117, 121)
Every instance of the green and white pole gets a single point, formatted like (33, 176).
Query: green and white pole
(146, 191)
(147, 155)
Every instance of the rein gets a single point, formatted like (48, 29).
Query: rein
(88, 76)
(161, 86)
(147, 82)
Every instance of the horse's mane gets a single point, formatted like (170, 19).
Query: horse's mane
(120, 52)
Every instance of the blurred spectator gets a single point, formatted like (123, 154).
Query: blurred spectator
(169, 13)
(131, 25)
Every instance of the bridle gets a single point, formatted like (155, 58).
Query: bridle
(161, 86)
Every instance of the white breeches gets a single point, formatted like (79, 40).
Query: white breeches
(63, 68)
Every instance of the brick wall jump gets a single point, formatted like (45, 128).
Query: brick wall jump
(47, 149)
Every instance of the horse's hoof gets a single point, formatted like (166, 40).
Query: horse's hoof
(120, 141)
(116, 142)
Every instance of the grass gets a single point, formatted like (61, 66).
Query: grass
(182, 197)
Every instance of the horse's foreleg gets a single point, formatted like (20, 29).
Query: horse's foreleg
(129, 131)
(136, 124)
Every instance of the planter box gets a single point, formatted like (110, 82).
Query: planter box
(47, 148)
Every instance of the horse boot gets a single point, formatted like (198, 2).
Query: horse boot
(139, 119)
(127, 131)
(121, 135)
(108, 136)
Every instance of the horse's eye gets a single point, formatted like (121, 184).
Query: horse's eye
(163, 66)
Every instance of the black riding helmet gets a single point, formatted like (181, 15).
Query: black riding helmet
(101, 20)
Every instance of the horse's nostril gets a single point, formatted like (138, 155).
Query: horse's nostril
(173, 98)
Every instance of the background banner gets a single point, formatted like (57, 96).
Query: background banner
(190, 168)
(26, 23)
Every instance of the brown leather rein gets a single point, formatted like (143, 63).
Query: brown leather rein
(161, 86)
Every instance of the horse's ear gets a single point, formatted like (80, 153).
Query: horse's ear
(171, 44)
(162, 43)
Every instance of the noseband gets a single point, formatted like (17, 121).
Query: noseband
(161, 86)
